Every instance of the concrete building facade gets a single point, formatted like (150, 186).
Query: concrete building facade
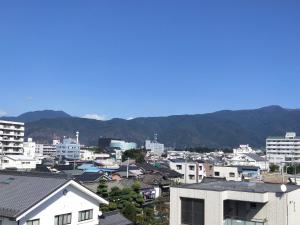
(283, 149)
(192, 172)
(11, 137)
(228, 203)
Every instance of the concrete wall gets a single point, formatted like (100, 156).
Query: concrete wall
(276, 209)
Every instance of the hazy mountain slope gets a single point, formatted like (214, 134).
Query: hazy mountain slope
(223, 128)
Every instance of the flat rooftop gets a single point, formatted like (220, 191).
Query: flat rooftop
(239, 186)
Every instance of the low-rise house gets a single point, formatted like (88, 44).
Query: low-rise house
(18, 162)
(43, 199)
(192, 172)
(235, 203)
(249, 159)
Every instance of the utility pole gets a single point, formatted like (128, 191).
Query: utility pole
(127, 171)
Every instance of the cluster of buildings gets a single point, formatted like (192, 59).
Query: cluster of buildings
(235, 185)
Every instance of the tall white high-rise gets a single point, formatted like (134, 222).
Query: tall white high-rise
(11, 137)
(283, 149)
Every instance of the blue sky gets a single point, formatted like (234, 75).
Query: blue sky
(148, 58)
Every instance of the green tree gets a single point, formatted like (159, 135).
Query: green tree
(274, 168)
(102, 188)
(137, 154)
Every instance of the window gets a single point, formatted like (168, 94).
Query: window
(217, 174)
(85, 215)
(32, 222)
(192, 211)
(63, 219)
(252, 205)
(200, 167)
(178, 167)
(192, 177)
(231, 174)
(192, 168)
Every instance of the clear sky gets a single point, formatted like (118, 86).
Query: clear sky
(130, 58)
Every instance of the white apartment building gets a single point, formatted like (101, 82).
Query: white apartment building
(242, 149)
(192, 172)
(39, 150)
(29, 147)
(69, 149)
(40, 199)
(283, 149)
(49, 150)
(234, 203)
(11, 137)
(86, 154)
(155, 147)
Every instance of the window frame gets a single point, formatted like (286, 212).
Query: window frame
(89, 217)
(31, 222)
(63, 219)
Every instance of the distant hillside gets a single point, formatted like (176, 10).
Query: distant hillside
(219, 129)
(38, 115)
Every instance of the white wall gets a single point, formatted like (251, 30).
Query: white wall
(73, 202)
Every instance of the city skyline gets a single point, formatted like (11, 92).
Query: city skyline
(134, 59)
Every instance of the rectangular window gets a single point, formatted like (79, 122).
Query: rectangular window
(85, 215)
(192, 168)
(178, 167)
(192, 177)
(63, 219)
(32, 222)
(231, 174)
(217, 174)
(192, 211)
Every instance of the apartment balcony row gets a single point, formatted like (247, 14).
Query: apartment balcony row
(17, 134)
(11, 146)
(3, 127)
(5, 139)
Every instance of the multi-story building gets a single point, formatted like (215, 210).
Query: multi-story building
(234, 203)
(69, 149)
(283, 149)
(192, 172)
(39, 150)
(243, 149)
(49, 150)
(29, 147)
(155, 147)
(11, 137)
(110, 143)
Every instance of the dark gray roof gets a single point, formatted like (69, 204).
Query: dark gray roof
(239, 186)
(255, 157)
(114, 218)
(21, 191)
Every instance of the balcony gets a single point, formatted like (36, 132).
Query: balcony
(242, 222)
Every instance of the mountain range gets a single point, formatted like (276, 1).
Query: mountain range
(225, 128)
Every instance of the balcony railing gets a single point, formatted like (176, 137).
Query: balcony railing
(243, 222)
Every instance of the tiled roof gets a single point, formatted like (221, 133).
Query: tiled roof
(21, 191)
(114, 218)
